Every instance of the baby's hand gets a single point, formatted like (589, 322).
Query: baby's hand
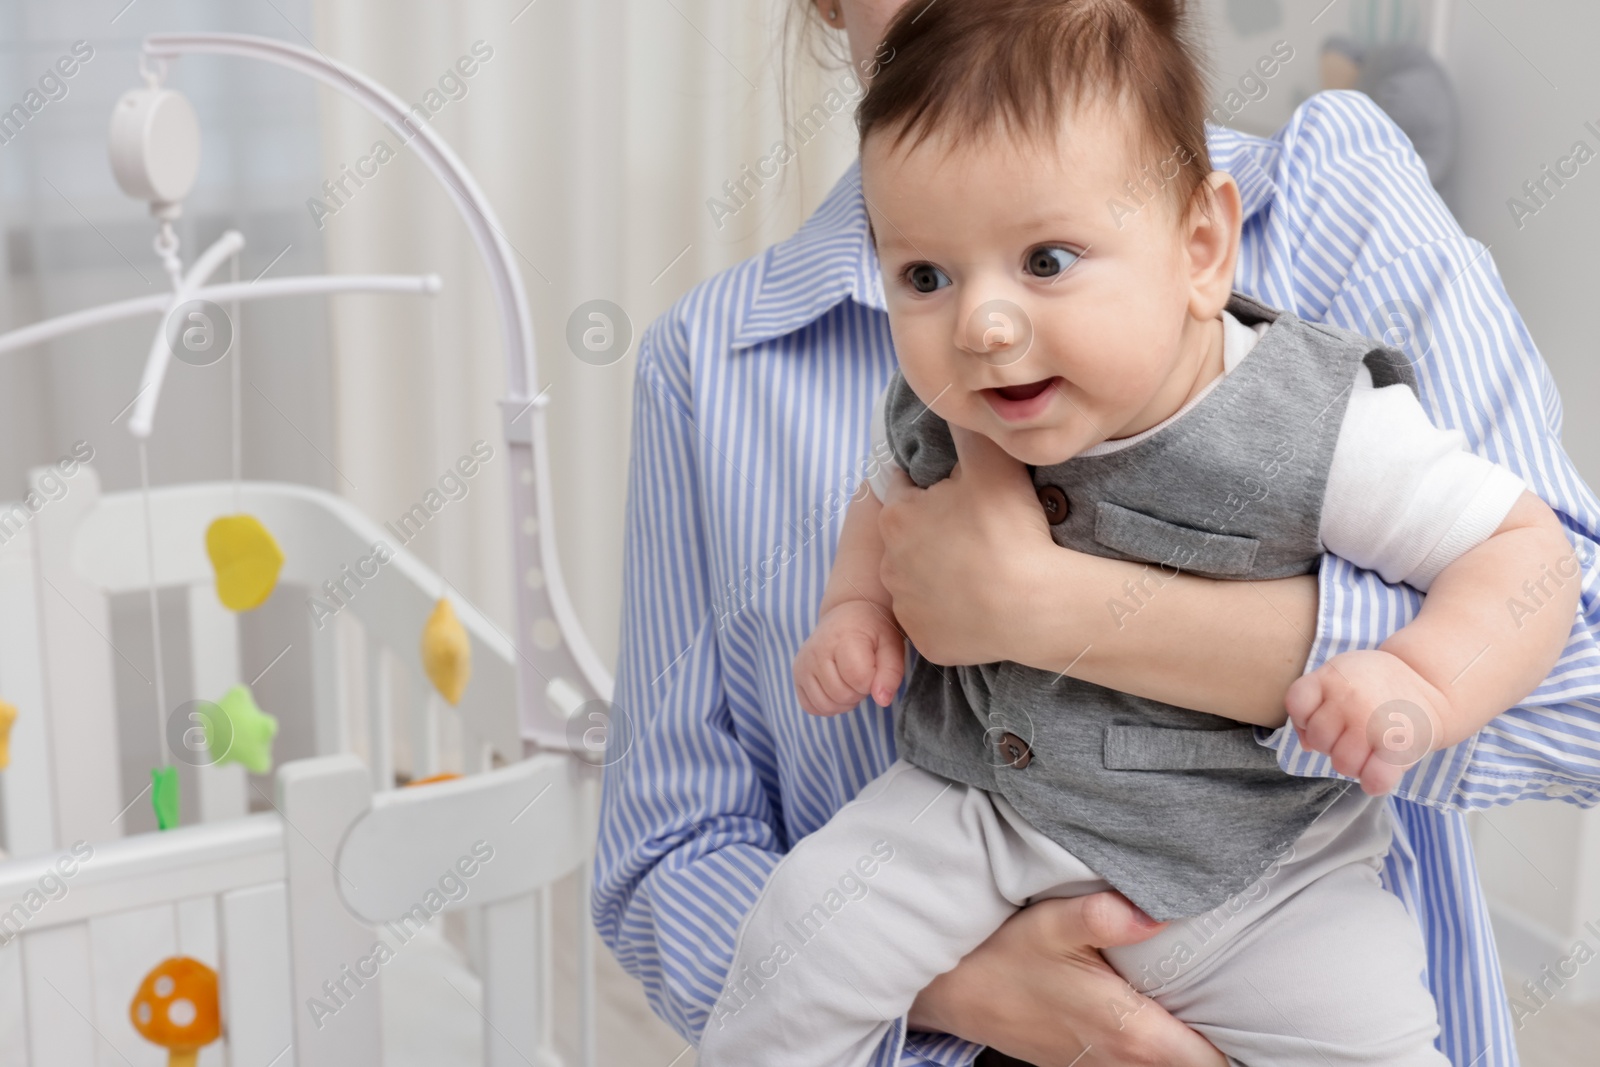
(854, 651)
(1371, 712)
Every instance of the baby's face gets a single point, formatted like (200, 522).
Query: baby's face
(1022, 305)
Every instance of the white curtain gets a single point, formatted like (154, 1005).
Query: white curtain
(599, 131)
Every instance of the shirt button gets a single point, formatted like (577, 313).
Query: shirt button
(1054, 502)
(1015, 751)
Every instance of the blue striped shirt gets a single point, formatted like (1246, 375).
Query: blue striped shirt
(751, 410)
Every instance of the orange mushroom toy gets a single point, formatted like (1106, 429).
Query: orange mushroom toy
(176, 1008)
(447, 776)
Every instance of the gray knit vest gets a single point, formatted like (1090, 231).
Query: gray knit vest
(1176, 808)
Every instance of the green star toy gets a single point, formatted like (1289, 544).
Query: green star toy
(243, 733)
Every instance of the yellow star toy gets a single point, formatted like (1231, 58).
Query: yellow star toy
(246, 558)
(446, 653)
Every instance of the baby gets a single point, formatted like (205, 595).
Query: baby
(1058, 262)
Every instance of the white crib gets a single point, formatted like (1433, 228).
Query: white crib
(288, 905)
(289, 909)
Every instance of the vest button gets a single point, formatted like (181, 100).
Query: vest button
(1014, 750)
(1054, 502)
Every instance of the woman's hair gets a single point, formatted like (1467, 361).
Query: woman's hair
(970, 68)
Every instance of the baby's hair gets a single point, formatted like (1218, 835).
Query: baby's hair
(969, 68)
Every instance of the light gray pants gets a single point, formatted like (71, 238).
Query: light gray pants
(1314, 964)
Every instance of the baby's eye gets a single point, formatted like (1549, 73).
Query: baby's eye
(925, 277)
(1050, 260)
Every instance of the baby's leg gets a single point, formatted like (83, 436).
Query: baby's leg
(861, 915)
(1331, 977)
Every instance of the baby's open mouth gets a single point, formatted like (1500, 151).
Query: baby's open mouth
(1023, 392)
(1021, 403)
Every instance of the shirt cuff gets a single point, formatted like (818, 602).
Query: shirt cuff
(923, 1048)
(1357, 609)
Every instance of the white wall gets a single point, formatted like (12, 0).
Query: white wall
(1528, 84)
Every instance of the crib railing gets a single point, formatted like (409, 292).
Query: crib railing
(103, 915)
(60, 565)
(251, 894)
(290, 908)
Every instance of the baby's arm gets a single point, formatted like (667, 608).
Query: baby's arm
(1477, 647)
(1497, 613)
(856, 650)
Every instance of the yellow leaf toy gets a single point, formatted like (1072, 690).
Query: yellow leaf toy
(8, 715)
(446, 654)
(246, 558)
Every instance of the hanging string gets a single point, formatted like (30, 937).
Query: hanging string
(438, 418)
(238, 371)
(155, 613)
(166, 246)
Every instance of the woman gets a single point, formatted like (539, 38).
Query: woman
(751, 416)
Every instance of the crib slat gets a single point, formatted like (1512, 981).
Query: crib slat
(588, 1049)
(320, 798)
(123, 947)
(197, 929)
(214, 653)
(26, 785)
(74, 624)
(256, 999)
(546, 943)
(13, 1013)
(326, 685)
(197, 939)
(473, 917)
(59, 990)
(424, 727)
(380, 714)
(513, 1003)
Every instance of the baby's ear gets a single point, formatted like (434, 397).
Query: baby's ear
(1216, 217)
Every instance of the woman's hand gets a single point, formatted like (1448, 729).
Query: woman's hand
(963, 558)
(975, 577)
(1039, 991)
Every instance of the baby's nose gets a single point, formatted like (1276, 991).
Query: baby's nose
(998, 331)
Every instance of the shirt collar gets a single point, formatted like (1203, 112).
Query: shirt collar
(831, 256)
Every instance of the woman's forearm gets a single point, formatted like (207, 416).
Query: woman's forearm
(1230, 648)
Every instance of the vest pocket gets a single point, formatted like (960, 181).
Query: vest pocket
(1163, 748)
(1145, 537)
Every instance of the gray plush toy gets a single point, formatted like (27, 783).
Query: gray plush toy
(1411, 87)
